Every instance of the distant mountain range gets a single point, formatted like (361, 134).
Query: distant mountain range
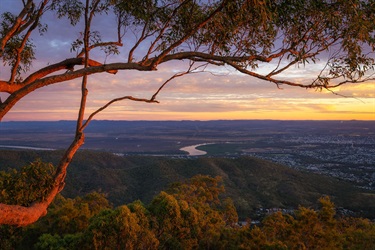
(252, 183)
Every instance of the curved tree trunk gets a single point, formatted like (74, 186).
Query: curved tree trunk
(22, 216)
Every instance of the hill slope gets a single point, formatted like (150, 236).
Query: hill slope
(250, 182)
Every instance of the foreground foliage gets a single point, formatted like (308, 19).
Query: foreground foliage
(31, 183)
(189, 215)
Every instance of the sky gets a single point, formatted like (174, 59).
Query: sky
(221, 93)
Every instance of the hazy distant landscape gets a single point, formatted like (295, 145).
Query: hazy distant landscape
(342, 149)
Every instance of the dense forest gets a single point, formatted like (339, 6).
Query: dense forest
(251, 183)
(199, 211)
(188, 215)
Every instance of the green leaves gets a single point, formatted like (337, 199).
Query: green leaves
(119, 229)
(11, 53)
(31, 183)
(76, 45)
(72, 9)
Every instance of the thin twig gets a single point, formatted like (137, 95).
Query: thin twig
(113, 101)
(341, 95)
(188, 71)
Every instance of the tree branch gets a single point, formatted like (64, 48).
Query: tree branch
(25, 39)
(173, 77)
(139, 41)
(22, 91)
(165, 52)
(151, 100)
(270, 79)
(162, 30)
(22, 216)
(67, 64)
(118, 43)
(16, 26)
(113, 101)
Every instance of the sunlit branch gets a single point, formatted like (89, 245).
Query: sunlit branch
(16, 26)
(188, 71)
(350, 81)
(67, 64)
(113, 101)
(103, 44)
(208, 56)
(22, 216)
(20, 49)
(341, 95)
(20, 92)
(270, 79)
(151, 100)
(84, 91)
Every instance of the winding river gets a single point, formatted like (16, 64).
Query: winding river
(193, 151)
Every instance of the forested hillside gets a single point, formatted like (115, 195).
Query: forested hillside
(188, 215)
(251, 183)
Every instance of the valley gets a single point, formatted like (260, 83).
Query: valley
(256, 186)
(341, 149)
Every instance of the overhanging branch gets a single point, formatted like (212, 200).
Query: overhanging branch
(22, 91)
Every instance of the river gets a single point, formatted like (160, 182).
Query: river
(25, 147)
(193, 151)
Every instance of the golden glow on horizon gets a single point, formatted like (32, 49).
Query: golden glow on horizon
(279, 109)
(266, 102)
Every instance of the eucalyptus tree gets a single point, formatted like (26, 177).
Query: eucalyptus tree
(246, 35)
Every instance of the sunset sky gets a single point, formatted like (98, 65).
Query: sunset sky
(221, 93)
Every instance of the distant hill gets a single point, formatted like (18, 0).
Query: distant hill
(252, 183)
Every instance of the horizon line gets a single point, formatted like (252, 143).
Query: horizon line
(194, 120)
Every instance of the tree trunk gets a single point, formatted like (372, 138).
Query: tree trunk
(22, 216)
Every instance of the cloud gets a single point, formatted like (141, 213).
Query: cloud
(219, 93)
(202, 98)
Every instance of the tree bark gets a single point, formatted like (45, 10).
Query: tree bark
(22, 216)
